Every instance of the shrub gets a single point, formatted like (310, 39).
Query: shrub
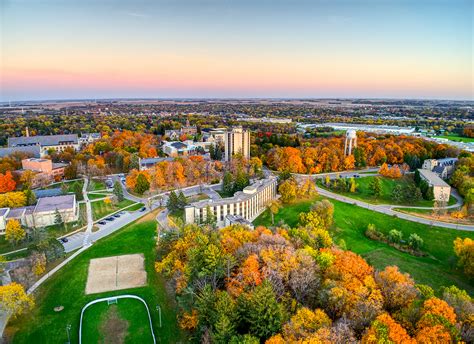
(395, 236)
(415, 241)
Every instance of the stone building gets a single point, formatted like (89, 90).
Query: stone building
(237, 141)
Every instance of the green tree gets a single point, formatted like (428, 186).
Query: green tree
(241, 181)
(134, 162)
(173, 202)
(58, 219)
(182, 201)
(77, 188)
(30, 197)
(118, 191)
(375, 187)
(142, 184)
(262, 311)
(227, 184)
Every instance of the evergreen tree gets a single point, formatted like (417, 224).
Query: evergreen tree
(142, 184)
(30, 197)
(134, 162)
(173, 202)
(417, 177)
(227, 184)
(262, 311)
(58, 219)
(118, 191)
(77, 188)
(182, 201)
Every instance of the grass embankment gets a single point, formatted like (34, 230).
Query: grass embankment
(101, 209)
(350, 222)
(127, 322)
(363, 192)
(66, 288)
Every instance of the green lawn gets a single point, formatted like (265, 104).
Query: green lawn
(93, 196)
(101, 209)
(95, 185)
(135, 207)
(457, 138)
(363, 192)
(66, 288)
(68, 183)
(350, 222)
(128, 319)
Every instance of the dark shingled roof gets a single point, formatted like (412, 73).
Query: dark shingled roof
(48, 193)
(47, 140)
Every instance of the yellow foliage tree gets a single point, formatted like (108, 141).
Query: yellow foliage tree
(464, 249)
(13, 231)
(14, 300)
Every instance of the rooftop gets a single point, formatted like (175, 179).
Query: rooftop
(47, 140)
(432, 178)
(3, 211)
(32, 150)
(47, 204)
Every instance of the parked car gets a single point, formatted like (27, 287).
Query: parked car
(64, 240)
(143, 209)
(116, 215)
(110, 218)
(102, 223)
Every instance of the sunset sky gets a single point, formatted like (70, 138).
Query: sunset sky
(221, 48)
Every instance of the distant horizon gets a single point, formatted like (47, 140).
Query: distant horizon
(395, 49)
(92, 99)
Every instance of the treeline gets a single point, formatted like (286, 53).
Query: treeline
(289, 285)
(327, 154)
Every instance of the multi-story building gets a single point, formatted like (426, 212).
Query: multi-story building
(237, 141)
(57, 143)
(442, 167)
(244, 206)
(45, 170)
(441, 190)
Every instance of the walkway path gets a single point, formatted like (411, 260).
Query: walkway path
(90, 221)
(387, 210)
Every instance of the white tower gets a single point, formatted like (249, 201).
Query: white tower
(351, 141)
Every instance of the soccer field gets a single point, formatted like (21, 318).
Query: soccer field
(125, 321)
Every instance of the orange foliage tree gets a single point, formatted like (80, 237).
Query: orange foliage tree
(7, 183)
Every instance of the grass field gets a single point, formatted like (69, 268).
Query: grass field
(196, 198)
(350, 222)
(363, 192)
(66, 288)
(95, 185)
(124, 322)
(68, 183)
(101, 209)
(456, 138)
(93, 196)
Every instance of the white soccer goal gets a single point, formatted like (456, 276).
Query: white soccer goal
(111, 301)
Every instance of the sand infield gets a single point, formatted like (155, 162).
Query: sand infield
(115, 273)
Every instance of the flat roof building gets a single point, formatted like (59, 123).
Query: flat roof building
(441, 190)
(46, 142)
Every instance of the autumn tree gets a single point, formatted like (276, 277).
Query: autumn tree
(7, 183)
(12, 199)
(14, 300)
(14, 233)
(386, 330)
(273, 207)
(397, 288)
(287, 190)
(464, 250)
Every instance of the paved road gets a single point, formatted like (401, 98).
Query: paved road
(90, 222)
